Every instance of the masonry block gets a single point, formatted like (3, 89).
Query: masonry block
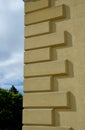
(48, 40)
(46, 68)
(33, 6)
(38, 84)
(45, 128)
(46, 100)
(37, 29)
(46, 14)
(37, 55)
(38, 116)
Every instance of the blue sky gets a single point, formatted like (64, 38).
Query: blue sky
(11, 43)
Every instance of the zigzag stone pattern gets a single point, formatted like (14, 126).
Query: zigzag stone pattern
(40, 100)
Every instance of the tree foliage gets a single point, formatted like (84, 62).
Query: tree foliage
(10, 109)
(13, 89)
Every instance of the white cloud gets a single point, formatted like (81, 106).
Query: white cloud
(11, 42)
(16, 5)
(12, 71)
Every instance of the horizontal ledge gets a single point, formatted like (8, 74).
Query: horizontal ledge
(46, 100)
(52, 13)
(45, 128)
(48, 40)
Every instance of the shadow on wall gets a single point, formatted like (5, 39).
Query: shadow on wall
(56, 120)
(67, 8)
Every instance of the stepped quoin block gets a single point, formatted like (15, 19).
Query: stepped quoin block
(33, 6)
(47, 68)
(41, 100)
(38, 84)
(46, 14)
(46, 100)
(37, 29)
(48, 40)
(36, 116)
(37, 55)
(45, 128)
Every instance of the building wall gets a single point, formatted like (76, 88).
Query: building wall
(54, 70)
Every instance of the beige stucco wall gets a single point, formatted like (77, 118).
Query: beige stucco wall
(54, 69)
